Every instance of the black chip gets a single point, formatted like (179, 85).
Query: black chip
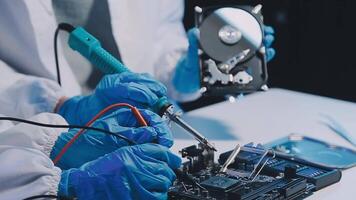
(219, 183)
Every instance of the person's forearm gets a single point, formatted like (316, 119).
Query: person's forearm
(30, 173)
(30, 147)
(29, 96)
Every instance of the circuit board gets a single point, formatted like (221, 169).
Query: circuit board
(278, 177)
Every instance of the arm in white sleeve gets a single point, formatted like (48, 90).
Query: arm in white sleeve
(26, 169)
(24, 96)
(173, 44)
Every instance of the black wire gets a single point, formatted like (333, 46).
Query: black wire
(65, 27)
(68, 126)
(48, 196)
(56, 56)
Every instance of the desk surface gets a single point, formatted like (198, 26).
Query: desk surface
(266, 116)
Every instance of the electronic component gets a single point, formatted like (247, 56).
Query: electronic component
(253, 173)
(219, 183)
(316, 151)
(232, 55)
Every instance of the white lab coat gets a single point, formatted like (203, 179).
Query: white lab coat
(151, 39)
(26, 169)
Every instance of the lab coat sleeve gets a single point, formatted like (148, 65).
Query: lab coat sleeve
(26, 168)
(172, 45)
(23, 96)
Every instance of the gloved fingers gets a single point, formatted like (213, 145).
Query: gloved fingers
(268, 40)
(268, 30)
(158, 152)
(160, 195)
(188, 67)
(118, 120)
(152, 182)
(158, 167)
(125, 117)
(133, 93)
(192, 54)
(193, 35)
(140, 135)
(112, 80)
(140, 93)
(146, 79)
(158, 183)
(164, 133)
(270, 53)
(125, 123)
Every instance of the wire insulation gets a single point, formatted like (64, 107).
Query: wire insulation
(49, 196)
(65, 27)
(56, 56)
(67, 126)
(134, 110)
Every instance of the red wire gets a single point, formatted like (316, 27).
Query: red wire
(134, 110)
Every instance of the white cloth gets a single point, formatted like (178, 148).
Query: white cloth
(26, 42)
(26, 169)
(151, 37)
(24, 96)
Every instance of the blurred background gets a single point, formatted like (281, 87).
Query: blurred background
(315, 42)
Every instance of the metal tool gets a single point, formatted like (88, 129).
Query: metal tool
(231, 158)
(89, 47)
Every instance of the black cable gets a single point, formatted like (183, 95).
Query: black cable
(48, 196)
(56, 56)
(68, 126)
(65, 27)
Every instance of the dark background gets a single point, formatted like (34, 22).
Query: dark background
(315, 44)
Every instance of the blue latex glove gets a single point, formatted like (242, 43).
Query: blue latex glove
(133, 172)
(186, 78)
(93, 144)
(267, 41)
(139, 90)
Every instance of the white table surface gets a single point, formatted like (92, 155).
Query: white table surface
(266, 116)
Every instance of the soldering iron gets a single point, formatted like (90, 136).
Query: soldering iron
(89, 47)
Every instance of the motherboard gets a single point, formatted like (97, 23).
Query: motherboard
(247, 172)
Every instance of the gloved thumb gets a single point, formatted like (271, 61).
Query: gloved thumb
(192, 54)
(187, 74)
(164, 133)
(193, 39)
(160, 153)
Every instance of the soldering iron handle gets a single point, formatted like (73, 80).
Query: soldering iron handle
(89, 47)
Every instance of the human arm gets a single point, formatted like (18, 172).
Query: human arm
(135, 172)
(141, 172)
(26, 169)
(24, 96)
(139, 90)
(93, 144)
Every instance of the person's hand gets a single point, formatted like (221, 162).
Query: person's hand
(133, 172)
(267, 41)
(139, 90)
(186, 78)
(93, 144)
